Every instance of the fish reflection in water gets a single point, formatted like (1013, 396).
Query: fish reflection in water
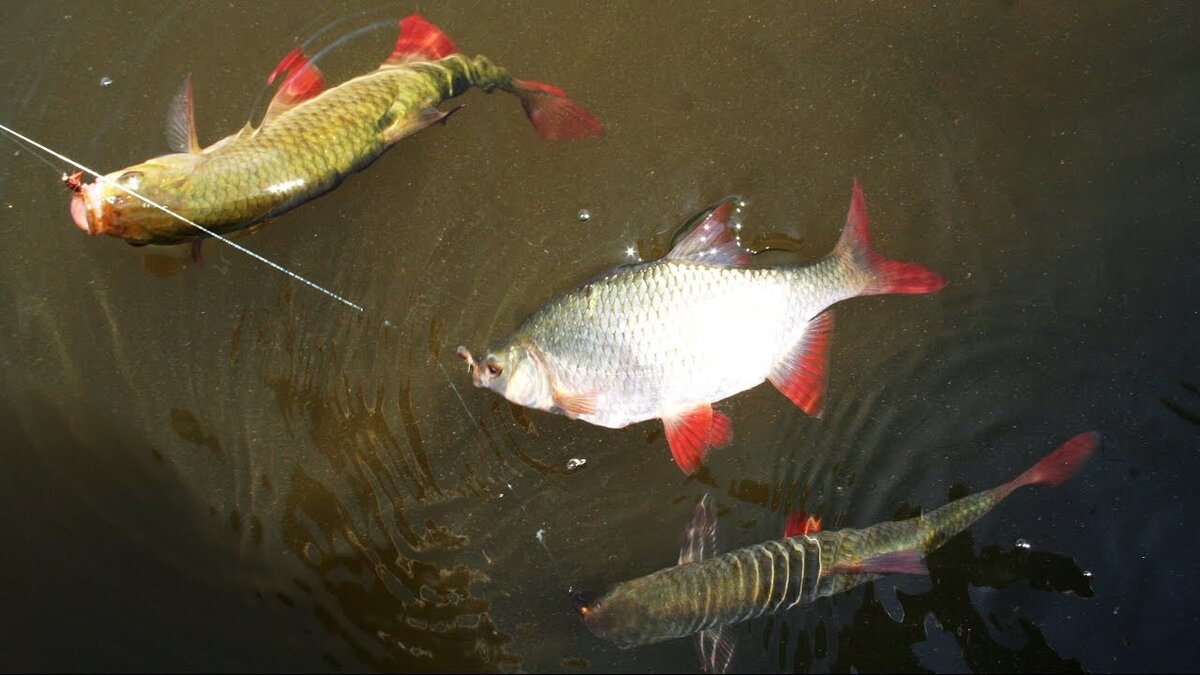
(706, 594)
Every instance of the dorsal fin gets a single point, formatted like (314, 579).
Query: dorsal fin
(303, 81)
(420, 41)
(181, 121)
(712, 239)
(699, 540)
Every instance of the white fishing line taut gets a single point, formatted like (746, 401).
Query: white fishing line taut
(270, 263)
(205, 230)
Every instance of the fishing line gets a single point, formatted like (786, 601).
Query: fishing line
(270, 263)
(205, 230)
(33, 153)
(540, 536)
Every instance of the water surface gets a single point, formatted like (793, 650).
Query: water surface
(216, 468)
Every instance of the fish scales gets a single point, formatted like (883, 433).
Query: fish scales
(667, 339)
(647, 340)
(310, 150)
(777, 575)
(732, 587)
(309, 140)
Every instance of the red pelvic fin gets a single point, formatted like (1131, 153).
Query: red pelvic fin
(1058, 465)
(712, 239)
(420, 41)
(896, 562)
(800, 374)
(888, 276)
(800, 523)
(574, 405)
(303, 81)
(691, 434)
(553, 115)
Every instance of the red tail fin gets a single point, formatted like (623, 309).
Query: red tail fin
(888, 276)
(553, 115)
(1058, 465)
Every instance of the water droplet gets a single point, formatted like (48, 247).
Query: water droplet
(584, 215)
(575, 463)
(1021, 543)
(106, 81)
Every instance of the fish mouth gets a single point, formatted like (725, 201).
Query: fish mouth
(87, 209)
(473, 367)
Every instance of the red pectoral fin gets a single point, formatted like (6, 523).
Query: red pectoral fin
(800, 375)
(420, 41)
(690, 434)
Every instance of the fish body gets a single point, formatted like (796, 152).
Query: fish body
(703, 594)
(666, 339)
(310, 139)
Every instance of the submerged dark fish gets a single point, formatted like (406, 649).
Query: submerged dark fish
(667, 339)
(705, 594)
(310, 139)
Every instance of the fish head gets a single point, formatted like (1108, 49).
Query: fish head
(589, 606)
(515, 371)
(624, 615)
(107, 206)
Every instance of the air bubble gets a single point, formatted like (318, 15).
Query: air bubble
(1022, 544)
(575, 463)
(106, 81)
(584, 215)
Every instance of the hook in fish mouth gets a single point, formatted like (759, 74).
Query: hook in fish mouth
(465, 354)
(74, 181)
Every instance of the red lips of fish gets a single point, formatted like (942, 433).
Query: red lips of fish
(87, 207)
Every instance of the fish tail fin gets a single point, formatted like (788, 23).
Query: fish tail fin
(553, 114)
(1058, 465)
(885, 275)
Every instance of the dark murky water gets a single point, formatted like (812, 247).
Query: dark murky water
(219, 468)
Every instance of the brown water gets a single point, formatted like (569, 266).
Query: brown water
(219, 468)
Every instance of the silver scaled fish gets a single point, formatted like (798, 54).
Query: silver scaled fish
(702, 595)
(668, 338)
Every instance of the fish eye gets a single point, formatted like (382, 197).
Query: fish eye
(130, 179)
(584, 600)
(493, 367)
